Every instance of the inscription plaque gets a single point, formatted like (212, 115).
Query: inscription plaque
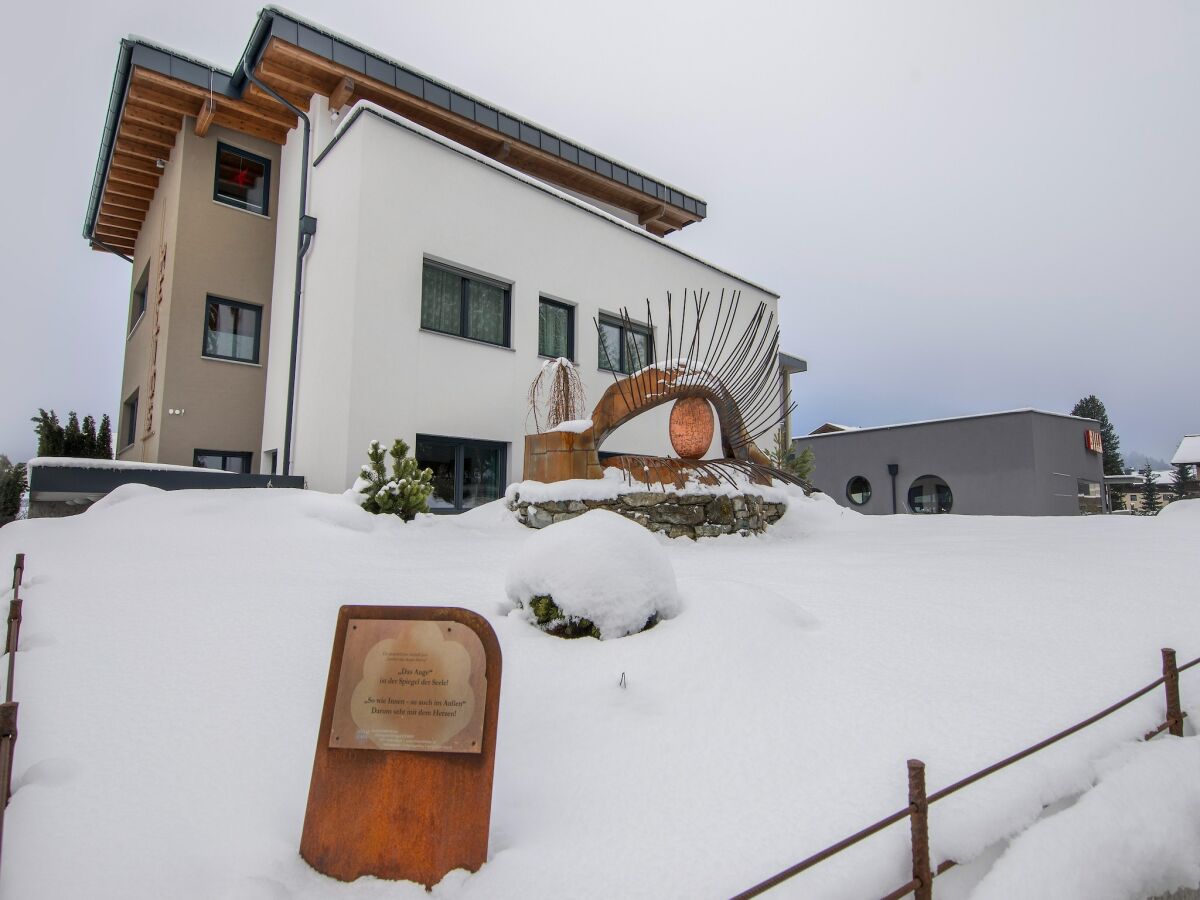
(410, 685)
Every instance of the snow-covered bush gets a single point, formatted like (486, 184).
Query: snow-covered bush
(597, 575)
(405, 493)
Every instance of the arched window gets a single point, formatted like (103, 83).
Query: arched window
(858, 490)
(930, 494)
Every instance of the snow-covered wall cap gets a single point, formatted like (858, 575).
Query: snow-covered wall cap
(1188, 453)
(1007, 412)
(72, 462)
(365, 106)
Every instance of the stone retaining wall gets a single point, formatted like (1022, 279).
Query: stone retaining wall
(675, 515)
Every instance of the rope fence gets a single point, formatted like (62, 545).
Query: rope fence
(917, 811)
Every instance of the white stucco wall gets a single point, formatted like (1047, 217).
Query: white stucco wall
(387, 198)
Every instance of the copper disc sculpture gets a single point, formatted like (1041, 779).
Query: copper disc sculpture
(691, 427)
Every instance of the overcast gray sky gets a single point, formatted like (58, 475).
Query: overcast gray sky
(967, 207)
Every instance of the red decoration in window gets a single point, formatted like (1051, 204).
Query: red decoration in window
(243, 178)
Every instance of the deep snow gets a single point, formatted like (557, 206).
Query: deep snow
(175, 649)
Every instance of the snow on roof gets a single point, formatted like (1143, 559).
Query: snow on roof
(1189, 451)
(71, 462)
(1006, 412)
(387, 115)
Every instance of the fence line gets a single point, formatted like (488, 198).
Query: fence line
(8, 709)
(917, 810)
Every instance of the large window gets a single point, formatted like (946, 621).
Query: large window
(230, 461)
(556, 329)
(242, 180)
(232, 329)
(129, 411)
(930, 494)
(466, 473)
(137, 300)
(469, 306)
(624, 349)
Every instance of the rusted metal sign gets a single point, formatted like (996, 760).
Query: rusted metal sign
(410, 685)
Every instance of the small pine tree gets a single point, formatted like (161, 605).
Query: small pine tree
(89, 437)
(73, 437)
(1182, 484)
(783, 456)
(1090, 407)
(13, 483)
(1151, 496)
(50, 434)
(104, 448)
(405, 493)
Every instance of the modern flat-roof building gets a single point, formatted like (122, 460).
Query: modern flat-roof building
(1021, 463)
(330, 247)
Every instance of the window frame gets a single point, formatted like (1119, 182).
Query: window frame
(460, 445)
(241, 304)
(638, 328)
(129, 413)
(141, 288)
(246, 456)
(466, 276)
(869, 492)
(933, 479)
(265, 212)
(570, 308)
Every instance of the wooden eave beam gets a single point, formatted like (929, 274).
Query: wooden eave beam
(129, 176)
(115, 236)
(649, 216)
(127, 203)
(140, 150)
(118, 212)
(129, 190)
(322, 75)
(159, 90)
(114, 222)
(136, 164)
(342, 93)
(205, 116)
(144, 115)
(152, 136)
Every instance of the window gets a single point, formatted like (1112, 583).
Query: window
(466, 473)
(271, 462)
(137, 300)
(129, 412)
(243, 179)
(1088, 493)
(556, 329)
(624, 349)
(858, 490)
(930, 494)
(231, 329)
(454, 302)
(238, 462)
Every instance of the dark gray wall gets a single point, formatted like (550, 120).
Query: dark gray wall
(1021, 463)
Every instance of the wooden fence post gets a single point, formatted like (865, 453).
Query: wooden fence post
(918, 819)
(1171, 683)
(18, 570)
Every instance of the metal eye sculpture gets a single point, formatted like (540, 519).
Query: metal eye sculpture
(736, 374)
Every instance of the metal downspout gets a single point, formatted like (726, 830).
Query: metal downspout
(306, 229)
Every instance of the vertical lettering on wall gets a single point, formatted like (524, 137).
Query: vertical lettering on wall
(152, 380)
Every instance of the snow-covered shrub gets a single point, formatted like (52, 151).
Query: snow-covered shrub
(597, 575)
(404, 493)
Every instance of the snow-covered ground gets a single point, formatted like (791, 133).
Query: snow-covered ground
(176, 645)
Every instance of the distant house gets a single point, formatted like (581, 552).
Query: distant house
(1022, 462)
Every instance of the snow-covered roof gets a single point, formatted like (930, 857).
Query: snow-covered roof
(1188, 453)
(1006, 412)
(71, 462)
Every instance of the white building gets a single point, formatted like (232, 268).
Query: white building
(451, 248)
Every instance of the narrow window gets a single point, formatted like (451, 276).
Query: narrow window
(556, 329)
(624, 348)
(243, 179)
(272, 462)
(129, 411)
(466, 473)
(230, 461)
(231, 329)
(137, 300)
(469, 306)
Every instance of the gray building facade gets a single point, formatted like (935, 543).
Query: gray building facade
(1018, 463)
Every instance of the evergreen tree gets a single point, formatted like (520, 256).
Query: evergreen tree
(1151, 496)
(783, 456)
(1090, 407)
(89, 437)
(12, 487)
(1183, 483)
(104, 448)
(73, 437)
(49, 432)
(405, 493)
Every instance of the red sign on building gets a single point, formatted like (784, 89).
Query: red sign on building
(1093, 442)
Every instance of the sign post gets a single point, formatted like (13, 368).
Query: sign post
(402, 779)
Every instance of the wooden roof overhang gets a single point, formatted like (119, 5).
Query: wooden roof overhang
(154, 89)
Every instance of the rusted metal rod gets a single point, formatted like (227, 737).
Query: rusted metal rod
(918, 821)
(8, 739)
(1171, 683)
(18, 570)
